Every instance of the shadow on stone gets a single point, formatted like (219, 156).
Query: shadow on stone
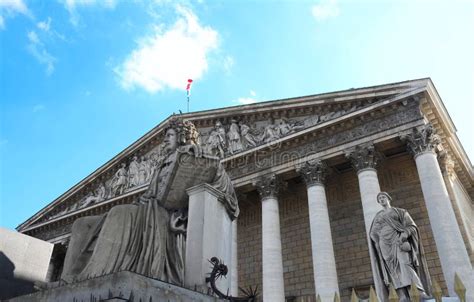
(11, 286)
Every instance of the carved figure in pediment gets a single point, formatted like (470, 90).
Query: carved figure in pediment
(100, 192)
(235, 143)
(221, 134)
(60, 213)
(119, 182)
(148, 237)
(133, 172)
(271, 132)
(311, 121)
(216, 142)
(286, 127)
(143, 170)
(248, 139)
(88, 200)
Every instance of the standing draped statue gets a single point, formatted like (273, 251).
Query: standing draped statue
(248, 139)
(133, 173)
(147, 237)
(396, 244)
(235, 143)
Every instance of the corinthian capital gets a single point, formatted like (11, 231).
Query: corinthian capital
(268, 186)
(422, 140)
(313, 172)
(363, 157)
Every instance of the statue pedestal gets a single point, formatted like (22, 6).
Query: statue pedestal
(209, 234)
(121, 286)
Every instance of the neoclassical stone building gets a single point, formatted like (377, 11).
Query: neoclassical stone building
(307, 171)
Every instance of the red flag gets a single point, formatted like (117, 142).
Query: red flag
(188, 87)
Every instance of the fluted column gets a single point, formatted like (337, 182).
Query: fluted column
(268, 187)
(364, 160)
(324, 262)
(422, 143)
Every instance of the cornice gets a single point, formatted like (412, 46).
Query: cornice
(436, 114)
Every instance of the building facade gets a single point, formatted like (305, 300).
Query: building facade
(307, 171)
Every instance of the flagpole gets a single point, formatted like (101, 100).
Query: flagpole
(188, 90)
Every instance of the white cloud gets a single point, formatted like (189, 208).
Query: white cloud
(169, 56)
(10, 8)
(33, 37)
(38, 50)
(72, 6)
(44, 25)
(325, 9)
(247, 100)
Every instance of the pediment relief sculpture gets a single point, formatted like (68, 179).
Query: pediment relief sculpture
(240, 135)
(221, 140)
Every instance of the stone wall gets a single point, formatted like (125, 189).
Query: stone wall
(398, 176)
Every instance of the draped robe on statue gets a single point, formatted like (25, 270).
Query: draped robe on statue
(140, 237)
(398, 263)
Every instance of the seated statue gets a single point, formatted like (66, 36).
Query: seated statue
(148, 237)
(396, 244)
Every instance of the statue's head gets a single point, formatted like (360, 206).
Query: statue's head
(179, 133)
(384, 199)
(171, 140)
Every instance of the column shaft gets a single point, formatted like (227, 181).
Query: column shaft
(273, 284)
(324, 262)
(369, 188)
(449, 243)
(234, 284)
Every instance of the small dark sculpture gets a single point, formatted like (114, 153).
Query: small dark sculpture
(219, 270)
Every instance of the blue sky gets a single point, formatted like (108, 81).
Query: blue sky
(80, 80)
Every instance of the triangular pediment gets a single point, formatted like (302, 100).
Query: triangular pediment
(227, 133)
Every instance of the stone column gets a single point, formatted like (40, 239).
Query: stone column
(234, 283)
(364, 160)
(209, 234)
(422, 143)
(324, 262)
(272, 262)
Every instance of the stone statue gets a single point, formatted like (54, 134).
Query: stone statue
(91, 198)
(248, 139)
(119, 182)
(221, 134)
(396, 245)
(271, 132)
(133, 173)
(216, 142)
(143, 170)
(285, 127)
(100, 192)
(235, 143)
(148, 237)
